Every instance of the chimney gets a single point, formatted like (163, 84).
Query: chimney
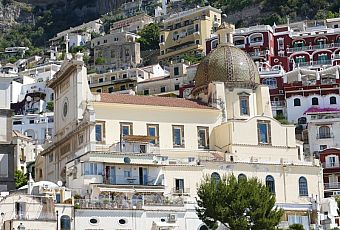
(225, 34)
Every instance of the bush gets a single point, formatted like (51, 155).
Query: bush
(296, 227)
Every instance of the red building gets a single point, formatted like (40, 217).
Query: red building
(331, 171)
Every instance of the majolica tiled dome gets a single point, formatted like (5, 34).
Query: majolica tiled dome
(228, 64)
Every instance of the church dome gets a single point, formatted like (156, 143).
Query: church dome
(227, 64)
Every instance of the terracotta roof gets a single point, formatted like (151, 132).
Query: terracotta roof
(152, 100)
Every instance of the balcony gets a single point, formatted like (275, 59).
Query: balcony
(142, 181)
(314, 47)
(313, 63)
(335, 185)
(255, 43)
(135, 147)
(336, 56)
(122, 202)
(180, 191)
(330, 165)
(261, 53)
(278, 103)
(324, 135)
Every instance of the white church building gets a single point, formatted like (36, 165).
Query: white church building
(137, 160)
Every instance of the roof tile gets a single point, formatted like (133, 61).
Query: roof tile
(152, 100)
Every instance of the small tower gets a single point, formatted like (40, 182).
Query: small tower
(225, 34)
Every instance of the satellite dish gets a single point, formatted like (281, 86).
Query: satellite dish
(127, 160)
(60, 183)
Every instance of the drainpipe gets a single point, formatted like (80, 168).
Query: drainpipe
(284, 167)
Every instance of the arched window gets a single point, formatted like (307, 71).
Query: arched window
(332, 100)
(241, 176)
(65, 223)
(324, 132)
(315, 101)
(270, 183)
(215, 177)
(297, 102)
(303, 187)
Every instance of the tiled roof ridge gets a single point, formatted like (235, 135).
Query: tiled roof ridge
(153, 101)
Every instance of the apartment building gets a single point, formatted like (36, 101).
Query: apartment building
(116, 51)
(187, 31)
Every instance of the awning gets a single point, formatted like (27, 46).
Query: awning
(139, 138)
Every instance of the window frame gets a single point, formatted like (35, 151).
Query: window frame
(244, 98)
(315, 101)
(295, 102)
(332, 100)
(182, 143)
(270, 183)
(102, 124)
(303, 186)
(129, 124)
(156, 126)
(268, 124)
(206, 141)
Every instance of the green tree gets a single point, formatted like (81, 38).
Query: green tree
(100, 61)
(20, 179)
(149, 37)
(239, 204)
(50, 106)
(282, 119)
(296, 227)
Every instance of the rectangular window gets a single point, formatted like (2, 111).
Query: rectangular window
(153, 131)
(263, 129)
(3, 165)
(203, 137)
(280, 43)
(176, 71)
(176, 86)
(127, 173)
(146, 92)
(99, 131)
(99, 90)
(322, 147)
(178, 135)
(17, 122)
(163, 89)
(113, 78)
(81, 139)
(31, 121)
(101, 80)
(90, 168)
(122, 87)
(111, 89)
(50, 157)
(126, 129)
(179, 185)
(20, 209)
(244, 105)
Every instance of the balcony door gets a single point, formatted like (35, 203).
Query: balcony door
(143, 176)
(112, 175)
(179, 183)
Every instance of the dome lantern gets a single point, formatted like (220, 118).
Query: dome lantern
(225, 34)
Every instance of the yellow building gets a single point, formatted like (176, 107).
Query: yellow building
(187, 31)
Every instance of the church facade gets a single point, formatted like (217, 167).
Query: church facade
(111, 144)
